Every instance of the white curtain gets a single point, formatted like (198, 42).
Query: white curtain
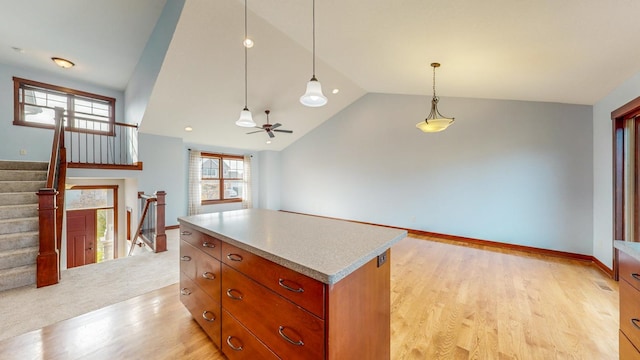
(195, 176)
(246, 193)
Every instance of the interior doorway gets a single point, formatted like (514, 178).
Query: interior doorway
(92, 224)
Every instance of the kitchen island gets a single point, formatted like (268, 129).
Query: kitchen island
(270, 284)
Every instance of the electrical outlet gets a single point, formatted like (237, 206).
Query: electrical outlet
(23, 151)
(413, 219)
(382, 258)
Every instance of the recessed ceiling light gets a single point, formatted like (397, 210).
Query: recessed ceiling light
(335, 91)
(63, 63)
(248, 43)
(268, 141)
(188, 128)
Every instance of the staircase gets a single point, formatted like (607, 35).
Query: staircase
(19, 242)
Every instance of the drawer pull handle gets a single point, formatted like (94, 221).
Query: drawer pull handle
(234, 297)
(234, 257)
(211, 318)
(236, 348)
(185, 291)
(208, 245)
(284, 336)
(298, 290)
(636, 276)
(635, 322)
(186, 233)
(209, 275)
(185, 258)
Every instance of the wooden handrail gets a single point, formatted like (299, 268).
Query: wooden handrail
(141, 223)
(158, 240)
(51, 209)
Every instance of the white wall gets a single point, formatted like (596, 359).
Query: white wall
(603, 167)
(509, 171)
(270, 180)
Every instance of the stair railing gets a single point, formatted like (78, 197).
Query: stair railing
(51, 209)
(151, 227)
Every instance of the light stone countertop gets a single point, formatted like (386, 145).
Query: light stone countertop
(324, 249)
(629, 247)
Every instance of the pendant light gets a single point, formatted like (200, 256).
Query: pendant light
(313, 97)
(245, 120)
(435, 122)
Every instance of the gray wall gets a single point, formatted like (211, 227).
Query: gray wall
(508, 171)
(37, 142)
(146, 72)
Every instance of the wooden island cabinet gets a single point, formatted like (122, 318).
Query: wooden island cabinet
(629, 285)
(272, 285)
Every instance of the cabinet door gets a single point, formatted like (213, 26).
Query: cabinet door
(239, 343)
(288, 330)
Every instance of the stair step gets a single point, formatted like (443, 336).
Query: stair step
(18, 257)
(19, 240)
(21, 186)
(17, 277)
(23, 165)
(18, 198)
(11, 226)
(18, 211)
(22, 175)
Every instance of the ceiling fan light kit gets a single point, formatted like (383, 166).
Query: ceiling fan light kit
(245, 120)
(435, 122)
(313, 97)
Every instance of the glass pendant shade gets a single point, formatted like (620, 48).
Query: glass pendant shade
(245, 120)
(435, 122)
(313, 97)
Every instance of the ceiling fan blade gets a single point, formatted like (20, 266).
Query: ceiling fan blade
(285, 131)
(253, 132)
(271, 135)
(276, 125)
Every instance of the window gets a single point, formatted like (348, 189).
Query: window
(222, 178)
(34, 104)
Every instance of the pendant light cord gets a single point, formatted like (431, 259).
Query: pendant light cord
(245, 54)
(313, 12)
(434, 82)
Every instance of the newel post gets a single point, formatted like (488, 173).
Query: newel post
(47, 262)
(161, 237)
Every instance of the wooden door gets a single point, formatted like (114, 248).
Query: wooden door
(81, 237)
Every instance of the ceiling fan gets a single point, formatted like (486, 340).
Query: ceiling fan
(270, 128)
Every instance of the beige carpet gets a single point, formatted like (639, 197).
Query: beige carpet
(87, 288)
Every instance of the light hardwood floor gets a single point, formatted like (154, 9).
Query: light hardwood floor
(448, 301)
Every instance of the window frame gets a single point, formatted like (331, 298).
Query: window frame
(221, 178)
(71, 94)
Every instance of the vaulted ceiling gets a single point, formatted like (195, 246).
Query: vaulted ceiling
(572, 51)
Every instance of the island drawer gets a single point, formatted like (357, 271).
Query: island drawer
(630, 312)
(206, 243)
(301, 289)
(239, 343)
(203, 308)
(201, 268)
(627, 350)
(290, 331)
